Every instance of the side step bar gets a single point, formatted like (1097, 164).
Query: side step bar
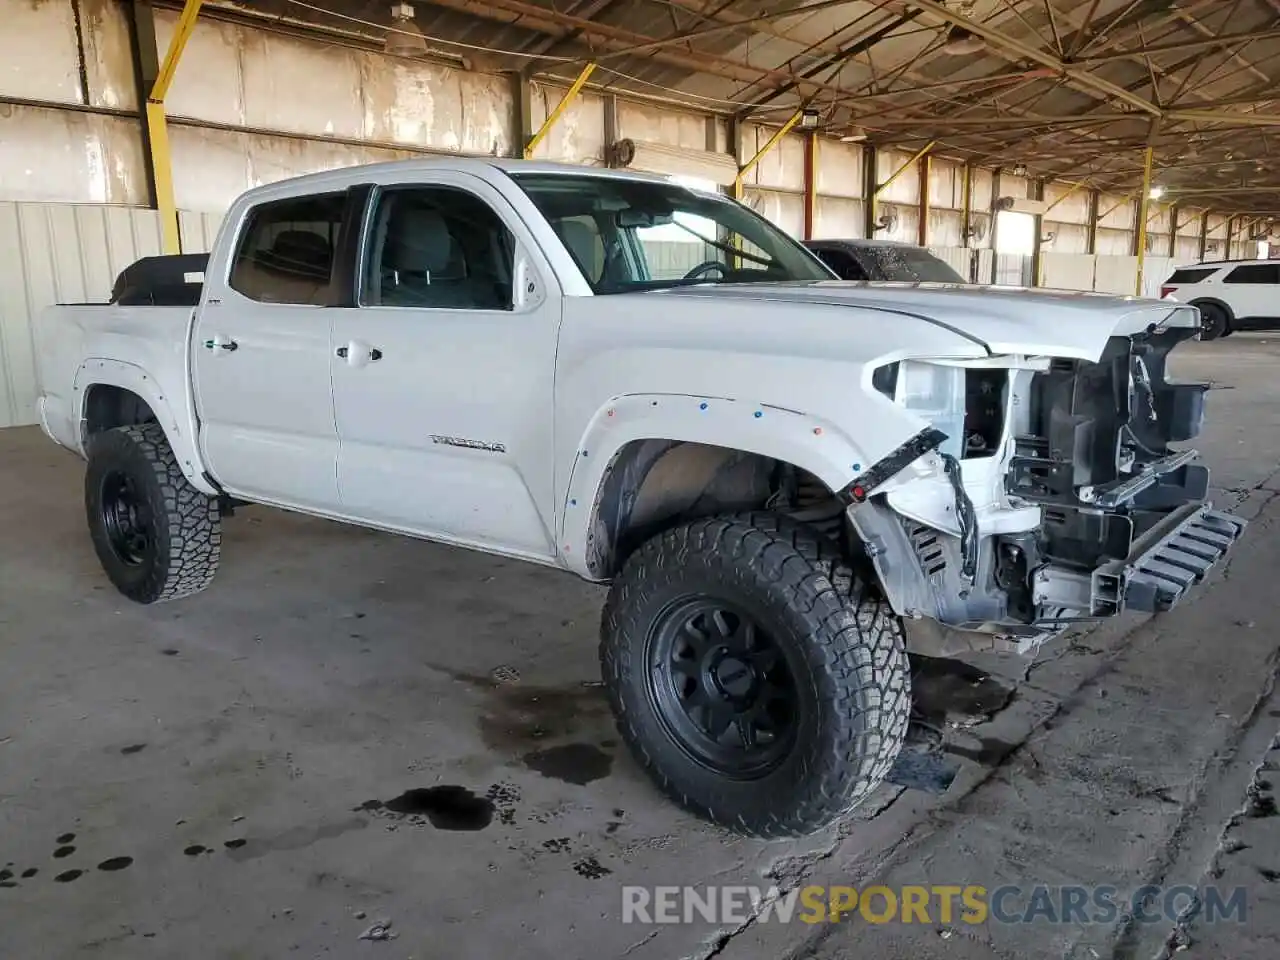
(1167, 561)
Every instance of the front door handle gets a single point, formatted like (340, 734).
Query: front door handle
(221, 343)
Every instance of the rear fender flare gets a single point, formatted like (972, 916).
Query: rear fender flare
(128, 376)
(809, 442)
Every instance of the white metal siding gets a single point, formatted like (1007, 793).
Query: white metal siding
(57, 253)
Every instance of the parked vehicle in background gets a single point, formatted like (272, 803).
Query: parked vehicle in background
(1231, 294)
(654, 387)
(883, 260)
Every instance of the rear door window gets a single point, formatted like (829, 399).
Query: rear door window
(286, 250)
(1254, 273)
(1192, 275)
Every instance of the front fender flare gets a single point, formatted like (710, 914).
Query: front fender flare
(809, 442)
(128, 376)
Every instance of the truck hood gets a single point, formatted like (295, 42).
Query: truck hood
(1004, 320)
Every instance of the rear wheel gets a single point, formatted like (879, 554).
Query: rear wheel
(754, 677)
(1214, 322)
(157, 537)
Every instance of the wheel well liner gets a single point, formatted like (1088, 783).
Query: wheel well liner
(107, 406)
(653, 484)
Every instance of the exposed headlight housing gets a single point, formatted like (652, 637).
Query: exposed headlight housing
(936, 393)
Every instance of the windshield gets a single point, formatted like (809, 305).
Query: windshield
(908, 265)
(629, 235)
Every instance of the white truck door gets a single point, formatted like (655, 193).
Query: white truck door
(443, 377)
(261, 356)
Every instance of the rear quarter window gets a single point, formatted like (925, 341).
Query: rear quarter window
(1192, 275)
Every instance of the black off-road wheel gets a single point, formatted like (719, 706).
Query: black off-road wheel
(1214, 321)
(755, 677)
(156, 536)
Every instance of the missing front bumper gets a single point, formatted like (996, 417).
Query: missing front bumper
(1166, 562)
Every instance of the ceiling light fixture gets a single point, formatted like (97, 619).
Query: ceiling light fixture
(1019, 169)
(960, 42)
(809, 118)
(404, 39)
(855, 135)
(1157, 192)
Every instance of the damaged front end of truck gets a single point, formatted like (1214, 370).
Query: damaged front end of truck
(1051, 493)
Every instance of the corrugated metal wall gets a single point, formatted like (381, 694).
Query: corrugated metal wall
(52, 253)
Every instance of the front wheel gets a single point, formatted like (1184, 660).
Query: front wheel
(157, 537)
(754, 677)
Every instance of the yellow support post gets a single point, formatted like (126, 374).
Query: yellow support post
(923, 230)
(881, 187)
(570, 95)
(1143, 203)
(769, 145)
(1078, 185)
(158, 130)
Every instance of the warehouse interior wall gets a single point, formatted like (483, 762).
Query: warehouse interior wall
(250, 106)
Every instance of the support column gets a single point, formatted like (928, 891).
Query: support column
(870, 160)
(146, 65)
(158, 130)
(810, 184)
(1173, 230)
(995, 220)
(922, 233)
(1091, 240)
(1144, 202)
(1204, 234)
(1037, 236)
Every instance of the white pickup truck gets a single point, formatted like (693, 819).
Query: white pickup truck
(652, 386)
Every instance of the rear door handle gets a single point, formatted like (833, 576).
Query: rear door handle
(357, 354)
(221, 343)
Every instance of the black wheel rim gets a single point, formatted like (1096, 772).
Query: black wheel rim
(125, 519)
(722, 687)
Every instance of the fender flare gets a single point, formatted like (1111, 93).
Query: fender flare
(178, 429)
(809, 442)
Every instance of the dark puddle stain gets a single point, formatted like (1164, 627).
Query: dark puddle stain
(8, 884)
(235, 844)
(6, 874)
(133, 748)
(1271, 876)
(68, 876)
(590, 868)
(196, 849)
(943, 688)
(295, 838)
(115, 863)
(576, 763)
(30, 872)
(63, 852)
(66, 838)
(446, 807)
(518, 717)
(558, 845)
(169, 652)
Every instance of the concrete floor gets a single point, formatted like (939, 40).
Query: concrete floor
(241, 748)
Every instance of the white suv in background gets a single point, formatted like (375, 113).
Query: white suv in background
(1231, 294)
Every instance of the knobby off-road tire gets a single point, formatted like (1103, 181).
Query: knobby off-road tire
(157, 537)
(840, 642)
